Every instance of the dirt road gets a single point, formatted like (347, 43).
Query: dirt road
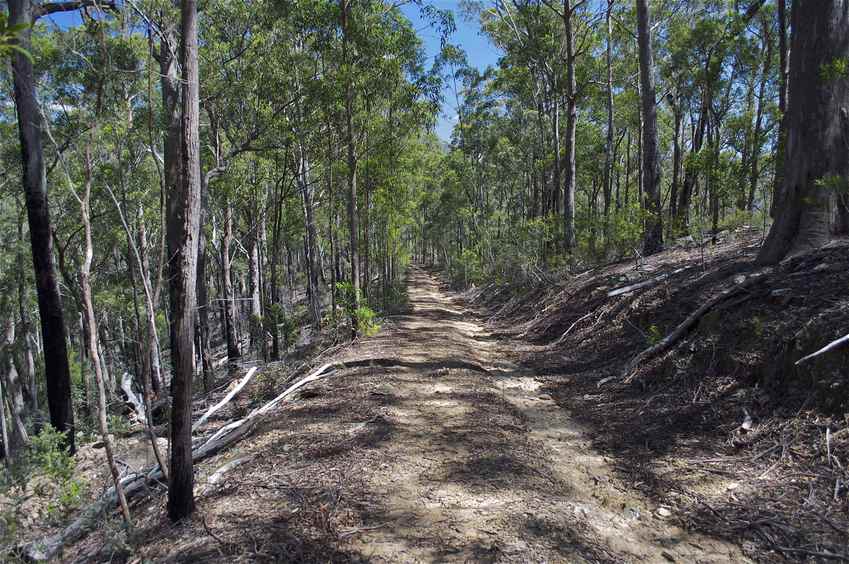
(435, 449)
(479, 465)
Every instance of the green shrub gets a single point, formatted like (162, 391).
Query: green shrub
(364, 317)
(50, 458)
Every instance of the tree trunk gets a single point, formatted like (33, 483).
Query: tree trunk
(608, 150)
(311, 247)
(676, 165)
(653, 235)
(14, 393)
(203, 295)
(227, 285)
(92, 335)
(682, 219)
(353, 220)
(817, 127)
(56, 368)
(569, 238)
(183, 225)
(757, 142)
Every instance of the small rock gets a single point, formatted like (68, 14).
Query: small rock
(748, 423)
(632, 513)
(663, 512)
(822, 266)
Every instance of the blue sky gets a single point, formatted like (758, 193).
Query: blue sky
(480, 52)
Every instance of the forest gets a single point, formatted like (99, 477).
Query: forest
(306, 281)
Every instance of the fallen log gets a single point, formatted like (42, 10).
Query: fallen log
(684, 327)
(230, 395)
(48, 547)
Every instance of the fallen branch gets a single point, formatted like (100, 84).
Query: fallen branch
(134, 399)
(684, 327)
(831, 346)
(48, 547)
(236, 389)
(569, 330)
(216, 476)
(651, 282)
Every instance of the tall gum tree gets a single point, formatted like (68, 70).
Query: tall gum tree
(816, 159)
(53, 331)
(653, 235)
(183, 227)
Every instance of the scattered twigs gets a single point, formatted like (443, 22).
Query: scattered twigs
(358, 530)
(816, 553)
(831, 346)
(48, 547)
(684, 327)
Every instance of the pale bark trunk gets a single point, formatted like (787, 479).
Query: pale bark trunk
(353, 219)
(14, 393)
(757, 142)
(227, 285)
(608, 151)
(92, 335)
(311, 247)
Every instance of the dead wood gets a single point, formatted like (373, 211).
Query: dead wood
(685, 326)
(650, 283)
(48, 547)
(230, 395)
(831, 346)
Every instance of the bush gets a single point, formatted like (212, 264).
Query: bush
(364, 317)
(50, 458)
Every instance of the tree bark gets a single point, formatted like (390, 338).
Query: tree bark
(54, 335)
(353, 218)
(817, 121)
(311, 248)
(608, 150)
(203, 295)
(227, 285)
(653, 235)
(92, 336)
(569, 238)
(676, 164)
(183, 225)
(11, 381)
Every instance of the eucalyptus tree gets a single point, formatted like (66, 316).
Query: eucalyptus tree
(22, 15)
(816, 164)
(183, 227)
(653, 238)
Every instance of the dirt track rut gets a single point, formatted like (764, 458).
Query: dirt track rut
(479, 465)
